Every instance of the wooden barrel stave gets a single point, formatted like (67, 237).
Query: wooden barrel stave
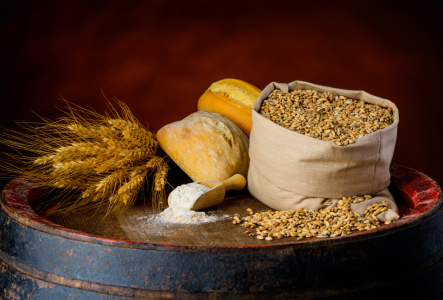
(127, 267)
(372, 263)
(17, 285)
(308, 269)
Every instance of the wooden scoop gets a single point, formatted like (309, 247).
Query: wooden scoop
(217, 192)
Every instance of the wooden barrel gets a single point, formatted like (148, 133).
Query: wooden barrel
(83, 256)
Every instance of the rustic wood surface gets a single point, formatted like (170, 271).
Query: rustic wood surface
(140, 224)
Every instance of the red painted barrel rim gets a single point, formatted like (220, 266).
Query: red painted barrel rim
(420, 189)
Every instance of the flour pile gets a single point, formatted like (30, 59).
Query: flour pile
(181, 202)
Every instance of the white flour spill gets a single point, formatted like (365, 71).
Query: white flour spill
(155, 225)
(181, 201)
(177, 219)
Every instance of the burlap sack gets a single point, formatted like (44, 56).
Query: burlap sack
(289, 170)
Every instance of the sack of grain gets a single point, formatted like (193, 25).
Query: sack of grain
(290, 170)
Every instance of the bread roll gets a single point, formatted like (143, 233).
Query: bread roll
(233, 99)
(206, 145)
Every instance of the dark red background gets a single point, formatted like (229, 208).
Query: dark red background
(160, 56)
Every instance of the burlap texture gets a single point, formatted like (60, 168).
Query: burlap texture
(289, 170)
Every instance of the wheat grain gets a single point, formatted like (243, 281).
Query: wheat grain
(159, 197)
(45, 159)
(141, 137)
(119, 124)
(109, 183)
(132, 185)
(84, 132)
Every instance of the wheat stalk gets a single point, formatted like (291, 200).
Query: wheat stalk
(158, 188)
(106, 158)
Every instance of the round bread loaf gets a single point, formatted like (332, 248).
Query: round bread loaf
(206, 145)
(233, 99)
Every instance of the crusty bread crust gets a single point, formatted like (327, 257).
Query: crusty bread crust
(233, 99)
(238, 91)
(206, 146)
(216, 102)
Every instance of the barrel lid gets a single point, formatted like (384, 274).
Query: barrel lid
(418, 197)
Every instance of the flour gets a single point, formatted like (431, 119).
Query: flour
(181, 202)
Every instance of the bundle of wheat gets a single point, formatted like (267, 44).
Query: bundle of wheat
(105, 159)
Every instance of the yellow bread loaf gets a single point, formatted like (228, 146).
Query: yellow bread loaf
(206, 145)
(233, 99)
